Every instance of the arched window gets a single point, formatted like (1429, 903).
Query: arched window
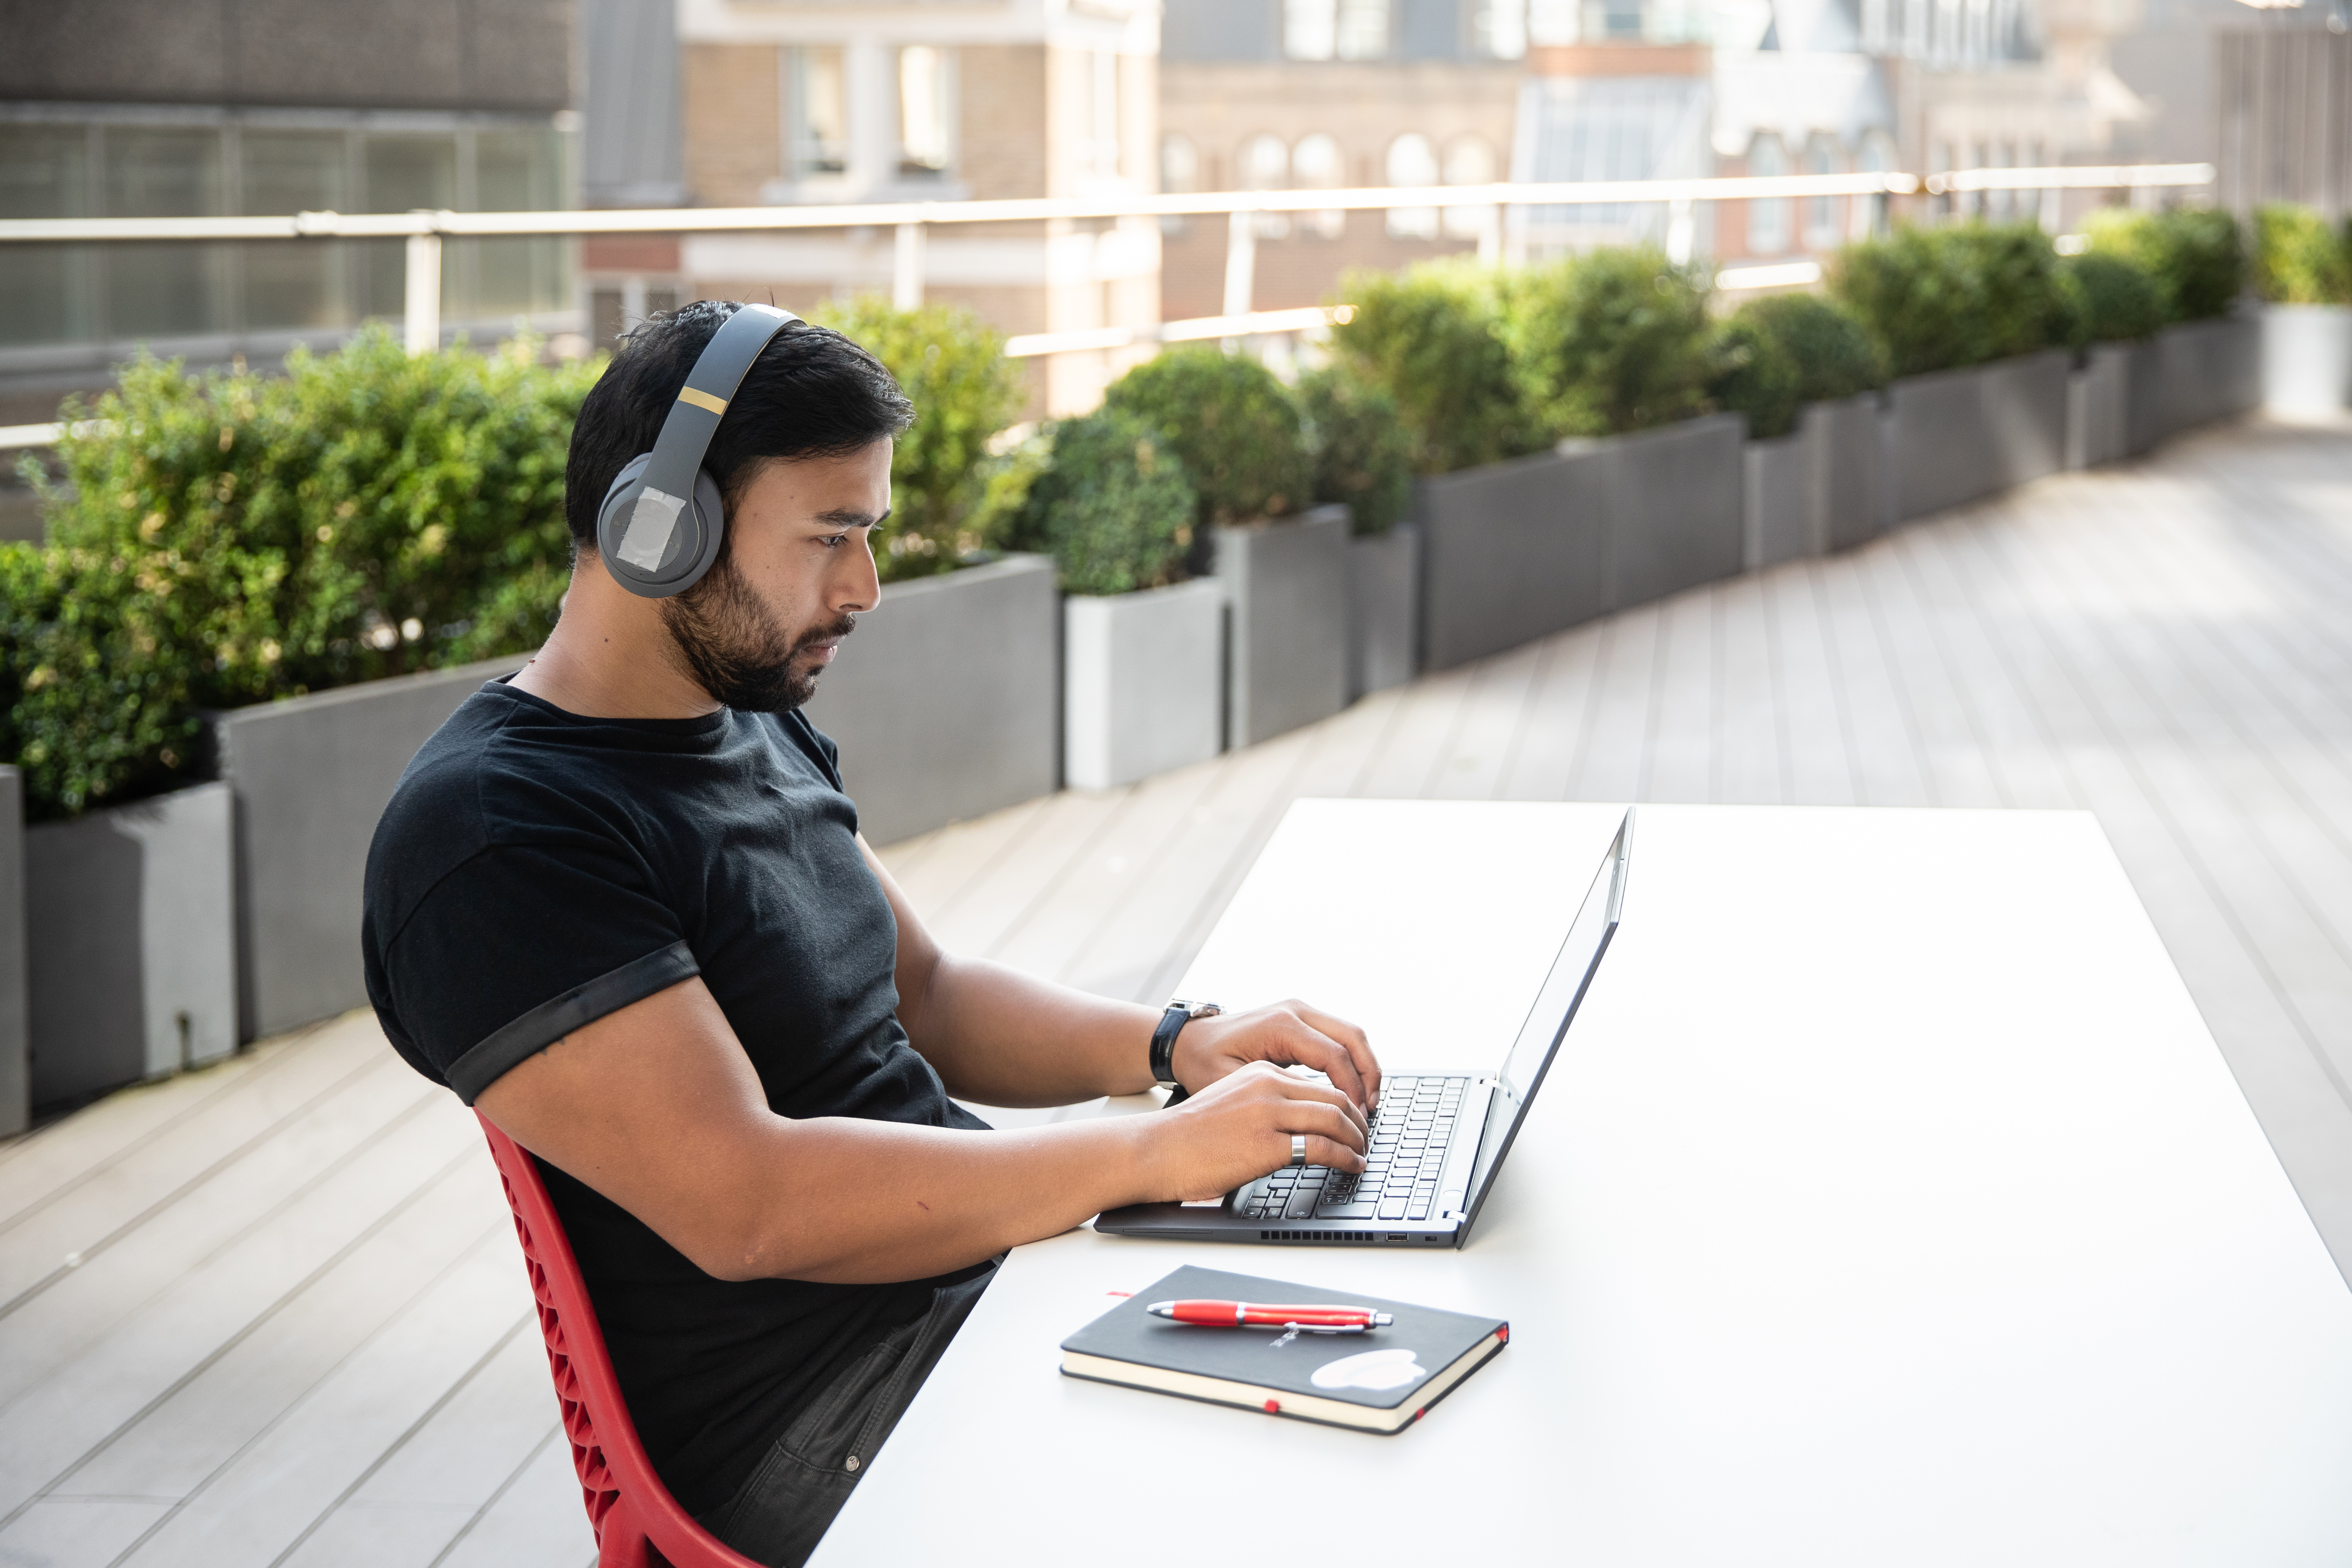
(1768, 219)
(1263, 164)
(1820, 212)
(1469, 161)
(1413, 161)
(1317, 165)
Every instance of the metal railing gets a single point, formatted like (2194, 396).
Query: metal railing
(911, 221)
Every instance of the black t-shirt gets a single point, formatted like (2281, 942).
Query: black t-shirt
(536, 870)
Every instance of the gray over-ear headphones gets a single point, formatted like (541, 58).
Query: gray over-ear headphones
(659, 527)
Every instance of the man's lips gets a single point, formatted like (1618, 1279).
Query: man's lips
(823, 652)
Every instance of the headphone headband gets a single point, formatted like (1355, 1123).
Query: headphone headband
(659, 527)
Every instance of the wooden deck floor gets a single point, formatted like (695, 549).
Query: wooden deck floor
(272, 1313)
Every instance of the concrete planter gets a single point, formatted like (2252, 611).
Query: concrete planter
(2195, 373)
(1961, 435)
(1845, 445)
(1511, 551)
(946, 699)
(15, 1021)
(310, 776)
(1142, 682)
(1286, 594)
(1674, 507)
(2098, 405)
(2307, 358)
(1777, 522)
(132, 916)
(1384, 609)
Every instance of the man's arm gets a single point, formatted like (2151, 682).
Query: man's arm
(1002, 1038)
(656, 1107)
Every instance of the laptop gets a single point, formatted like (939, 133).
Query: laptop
(1438, 1139)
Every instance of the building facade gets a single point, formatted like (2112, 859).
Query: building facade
(164, 109)
(786, 104)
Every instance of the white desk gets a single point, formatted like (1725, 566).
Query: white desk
(1889, 1205)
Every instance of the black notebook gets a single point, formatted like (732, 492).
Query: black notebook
(1383, 1380)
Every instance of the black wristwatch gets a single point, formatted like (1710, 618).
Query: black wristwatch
(1163, 1038)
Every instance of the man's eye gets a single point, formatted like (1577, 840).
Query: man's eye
(834, 540)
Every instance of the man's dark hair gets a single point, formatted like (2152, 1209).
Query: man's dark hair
(811, 394)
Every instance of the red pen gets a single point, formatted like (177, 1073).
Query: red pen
(1313, 1319)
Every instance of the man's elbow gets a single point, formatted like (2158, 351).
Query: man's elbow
(738, 1248)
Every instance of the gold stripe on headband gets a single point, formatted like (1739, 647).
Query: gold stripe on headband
(702, 400)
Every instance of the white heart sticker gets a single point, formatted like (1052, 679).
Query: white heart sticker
(1378, 1371)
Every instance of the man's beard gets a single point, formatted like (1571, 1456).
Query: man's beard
(736, 650)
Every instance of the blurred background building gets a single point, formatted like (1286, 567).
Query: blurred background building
(176, 107)
(188, 108)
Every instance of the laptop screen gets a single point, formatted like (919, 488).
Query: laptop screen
(1554, 1010)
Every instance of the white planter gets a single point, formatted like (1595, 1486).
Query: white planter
(132, 916)
(2307, 358)
(944, 699)
(1778, 524)
(1141, 681)
(16, 1023)
(1287, 588)
(1384, 609)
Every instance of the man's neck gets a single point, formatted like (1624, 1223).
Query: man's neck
(610, 656)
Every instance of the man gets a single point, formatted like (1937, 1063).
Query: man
(620, 904)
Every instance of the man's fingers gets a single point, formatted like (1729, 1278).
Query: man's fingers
(1352, 1041)
(1332, 1123)
(1326, 1094)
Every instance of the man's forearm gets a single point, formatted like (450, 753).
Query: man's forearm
(876, 1201)
(1002, 1038)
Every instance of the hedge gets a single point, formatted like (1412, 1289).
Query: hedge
(2299, 259)
(1940, 299)
(2194, 255)
(1363, 459)
(1235, 427)
(1611, 342)
(1432, 336)
(1783, 351)
(1112, 505)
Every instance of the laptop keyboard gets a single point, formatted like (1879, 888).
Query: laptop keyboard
(1411, 1133)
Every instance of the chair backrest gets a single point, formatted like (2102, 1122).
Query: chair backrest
(638, 1524)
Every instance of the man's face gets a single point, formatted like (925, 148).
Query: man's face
(795, 570)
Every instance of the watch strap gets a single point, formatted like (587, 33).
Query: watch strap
(1179, 1013)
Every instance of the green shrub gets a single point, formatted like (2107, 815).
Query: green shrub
(228, 539)
(1432, 338)
(1756, 376)
(1610, 342)
(2193, 255)
(1363, 455)
(1780, 352)
(1112, 506)
(1234, 425)
(2299, 259)
(1937, 299)
(951, 364)
(2114, 299)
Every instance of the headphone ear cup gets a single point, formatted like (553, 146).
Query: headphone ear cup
(685, 554)
(710, 521)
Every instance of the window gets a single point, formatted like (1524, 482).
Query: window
(1335, 29)
(927, 112)
(45, 293)
(1411, 161)
(818, 114)
(1499, 29)
(1317, 165)
(1100, 152)
(1363, 29)
(300, 284)
(165, 290)
(1553, 23)
(515, 171)
(1310, 29)
(1768, 220)
(1820, 212)
(1179, 174)
(1263, 164)
(1469, 161)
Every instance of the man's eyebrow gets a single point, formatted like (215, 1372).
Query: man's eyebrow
(850, 517)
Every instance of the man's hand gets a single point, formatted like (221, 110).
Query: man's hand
(1287, 1034)
(1239, 1128)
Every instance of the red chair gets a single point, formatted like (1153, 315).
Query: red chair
(638, 1524)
